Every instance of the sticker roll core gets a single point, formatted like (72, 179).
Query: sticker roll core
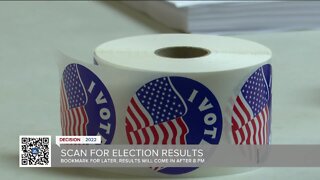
(182, 52)
(170, 89)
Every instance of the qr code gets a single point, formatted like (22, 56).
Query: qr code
(35, 151)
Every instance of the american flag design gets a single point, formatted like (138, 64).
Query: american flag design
(74, 118)
(79, 112)
(155, 115)
(251, 110)
(166, 111)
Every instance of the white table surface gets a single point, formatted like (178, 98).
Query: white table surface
(31, 32)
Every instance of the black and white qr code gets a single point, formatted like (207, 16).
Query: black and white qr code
(35, 151)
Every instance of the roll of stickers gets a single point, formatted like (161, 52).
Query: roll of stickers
(170, 89)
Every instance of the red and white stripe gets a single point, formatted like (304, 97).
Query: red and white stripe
(137, 117)
(169, 132)
(142, 130)
(247, 129)
(73, 121)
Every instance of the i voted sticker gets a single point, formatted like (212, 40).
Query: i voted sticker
(86, 106)
(251, 112)
(173, 110)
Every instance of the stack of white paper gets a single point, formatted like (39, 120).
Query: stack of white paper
(223, 17)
